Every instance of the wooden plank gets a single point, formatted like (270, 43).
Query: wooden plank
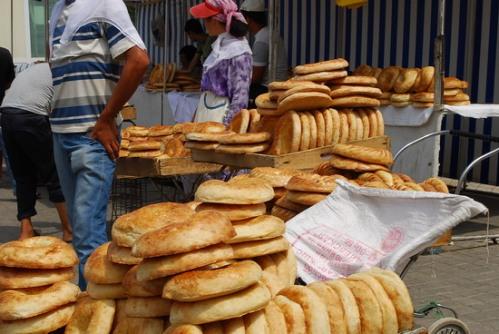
(140, 167)
(298, 160)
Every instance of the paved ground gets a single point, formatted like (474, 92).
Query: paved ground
(465, 276)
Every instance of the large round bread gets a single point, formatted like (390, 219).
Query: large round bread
(316, 316)
(344, 127)
(313, 130)
(426, 77)
(305, 131)
(390, 323)
(350, 308)
(121, 255)
(305, 198)
(276, 177)
(256, 323)
(371, 317)
(313, 183)
(250, 249)
(92, 316)
(327, 65)
(283, 270)
(275, 319)
(99, 269)
(334, 307)
(204, 229)
(38, 253)
(135, 288)
(305, 101)
(306, 87)
(205, 284)
(387, 78)
(245, 138)
(18, 278)
(399, 295)
(233, 326)
(241, 191)
(148, 307)
(293, 315)
(235, 212)
(153, 268)
(406, 80)
(285, 85)
(363, 153)
(264, 101)
(343, 91)
(356, 80)
(321, 128)
(273, 283)
(354, 101)
(146, 145)
(207, 137)
(240, 122)
(44, 323)
(259, 228)
(238, 304)
(340, 162)
(106, 291)
(27, 303)
(321, 76)
(242, 149)
(129, 227)
(287, 134)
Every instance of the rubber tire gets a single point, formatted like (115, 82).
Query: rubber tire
(445, 323)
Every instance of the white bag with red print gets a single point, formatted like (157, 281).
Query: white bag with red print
(354, 229)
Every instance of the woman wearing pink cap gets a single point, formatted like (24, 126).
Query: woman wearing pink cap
(227, 70)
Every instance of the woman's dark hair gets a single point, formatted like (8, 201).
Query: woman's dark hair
(259, 17)
(238, 29)
(193, 26)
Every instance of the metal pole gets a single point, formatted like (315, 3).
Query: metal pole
(273, 23)
(47, 37)
(12, 27)
(440, 57)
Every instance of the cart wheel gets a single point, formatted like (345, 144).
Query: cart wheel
(449, 326)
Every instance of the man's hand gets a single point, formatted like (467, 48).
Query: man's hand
(106, 132)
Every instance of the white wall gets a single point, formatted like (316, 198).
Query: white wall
(19, 45)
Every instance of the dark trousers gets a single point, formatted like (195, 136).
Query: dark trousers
(255, 90)
(28, 141)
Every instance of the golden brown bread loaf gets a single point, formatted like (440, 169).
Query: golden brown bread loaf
(365, 154)
(259, 228)
(241, 191)
(99, 269)
(18, 278)
(92, 316)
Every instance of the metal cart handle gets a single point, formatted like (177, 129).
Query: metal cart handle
(414, 142)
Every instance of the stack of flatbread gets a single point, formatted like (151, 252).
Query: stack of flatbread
(162, 141)
(360, 159)
(355, 92)
(304, 97)
(186, 82)
(161, 78)
(414, 86)
(323, 71)
(375, 302)
(229, 142)
(36, 293)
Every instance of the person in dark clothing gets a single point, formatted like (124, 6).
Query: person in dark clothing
(7, 75)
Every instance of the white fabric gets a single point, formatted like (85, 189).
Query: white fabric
(475, 110)
(407, 116)
(87, 11)
(183, 105)
(225, 47)
(355, 228)
(253, 6)
(211, 108)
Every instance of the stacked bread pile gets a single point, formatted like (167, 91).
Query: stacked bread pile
(162, 141)
(374, 302)
(186, 82)
(168, 78)
(414, 86)
(229, 142)
(275, 177)
(36, 293)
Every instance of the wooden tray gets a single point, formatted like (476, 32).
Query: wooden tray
(298, 160)
(141, 167)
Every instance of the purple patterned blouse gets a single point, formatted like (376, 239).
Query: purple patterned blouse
(230, 78)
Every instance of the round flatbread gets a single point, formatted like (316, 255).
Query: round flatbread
(254, 119)
(365, 154)
(250, 249)
(235, 305)
(313, 183)
(321, 76)
(259, 228)
(18, 278)
(321, 128)
(313, 130)
(333, 305)
(135, 288)
(306, 87)
(371, 318)
(287, 136)
(387, 78)
(322, 66)
(305, 198)
(285, 85)
(264, 101)
(406, 80)
(365, 123)
(106, 291)
(305, 101)
(99, 269)
(121, 255)
(373, 122)
(240, 122)
(204, 146)
(293, 315)
(355, 102)
(381, 123)
(352, 125)
(248, 190)
(344, 127)
(276, 177)
(350, 308)
(344, 91)
(256, 323)
(426, 77)
(360, 126)
(328, 126)
(275, 319)
(356, 80)
(340, 162)
(242, 149)
(235, 212)
(44, 323)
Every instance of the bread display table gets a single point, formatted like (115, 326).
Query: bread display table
(171, 108)
(297, 160)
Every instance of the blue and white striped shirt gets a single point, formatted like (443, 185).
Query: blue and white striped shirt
(84, 72)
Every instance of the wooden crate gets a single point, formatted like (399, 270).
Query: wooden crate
(140, 167)
(298, 160)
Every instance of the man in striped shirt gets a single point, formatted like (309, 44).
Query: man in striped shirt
(97, 62)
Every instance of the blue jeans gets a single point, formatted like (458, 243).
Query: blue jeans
(86, 175)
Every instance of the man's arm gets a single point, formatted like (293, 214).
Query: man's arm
(105, 130)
